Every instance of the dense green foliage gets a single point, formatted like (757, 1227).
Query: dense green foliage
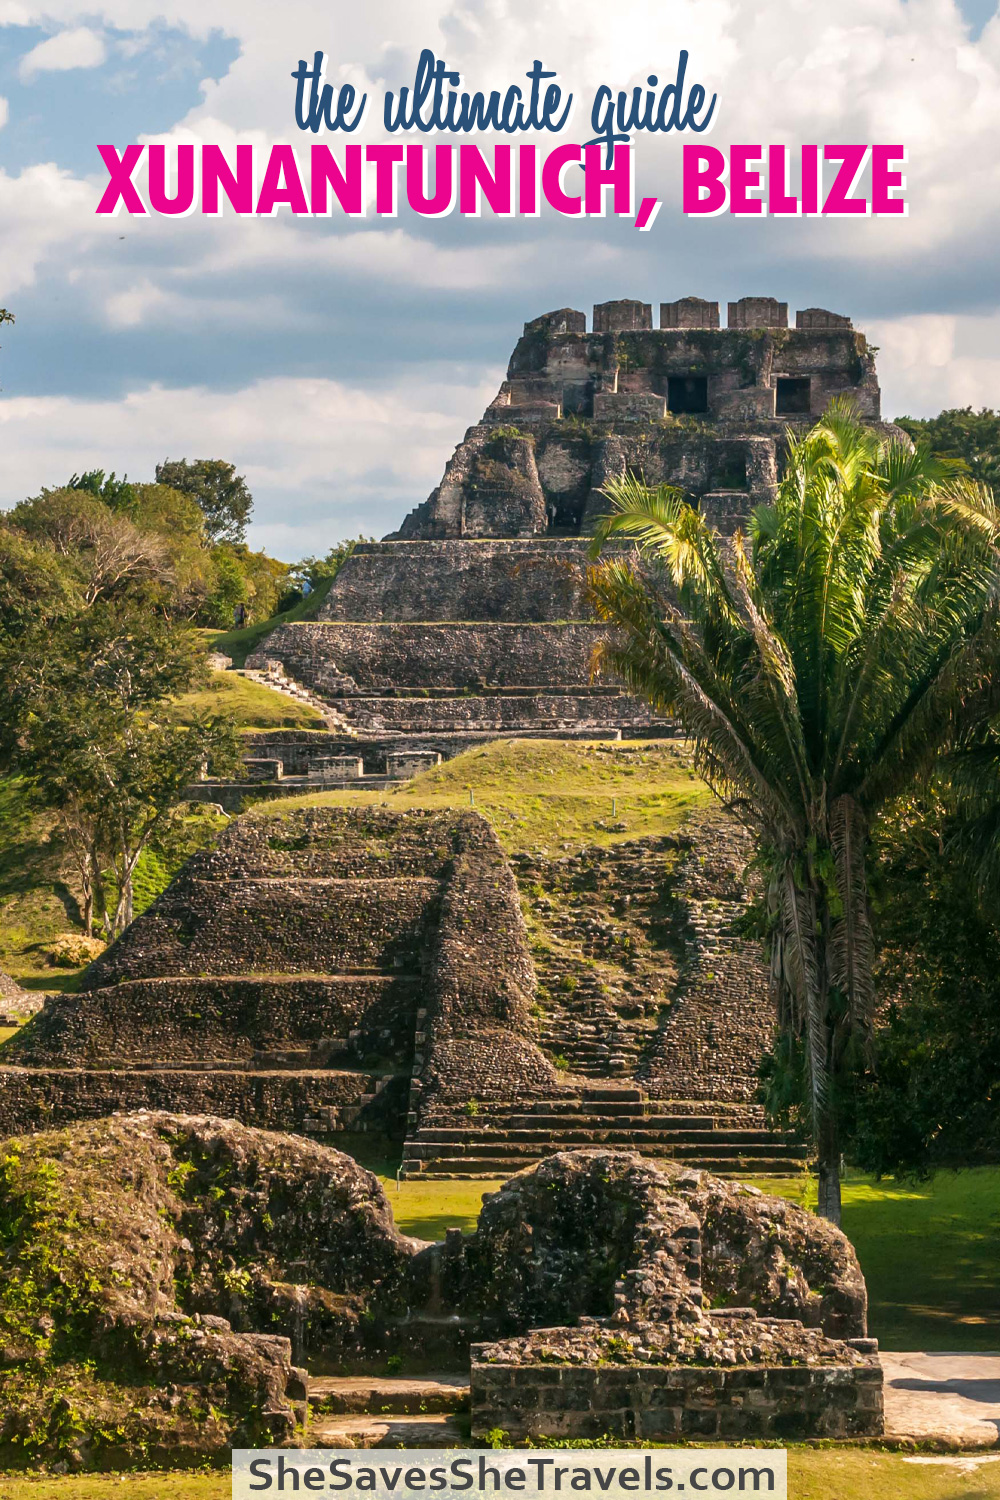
(969, 437)
(221, 494)
(86, 729)
(820, 674)
(932, 1091)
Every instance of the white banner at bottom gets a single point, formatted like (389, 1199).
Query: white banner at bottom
(415, 1474)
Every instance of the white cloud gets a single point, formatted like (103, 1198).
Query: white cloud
(784, 70)
(4, 111)
(930, 362)
(43, 211)
(80, 47)
(334, 461)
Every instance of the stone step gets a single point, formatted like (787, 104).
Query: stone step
(433, 1430)
(660, 1145)
(382, 1395)
(487, 1140)
(671, 1117)
(464, 1171)
(502, 1164)
(585, 1122)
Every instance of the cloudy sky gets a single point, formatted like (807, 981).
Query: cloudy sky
(338, 363)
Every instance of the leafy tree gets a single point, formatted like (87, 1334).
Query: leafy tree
(969, 437)
(117, 494)
(318, 571)
(94, 743)
(37, 586)
(818, 674)
(113, 554)
(930, 1097)
(242, 577)
(221, 493)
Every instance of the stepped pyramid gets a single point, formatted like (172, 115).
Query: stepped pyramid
(470, 621)
(326, 970)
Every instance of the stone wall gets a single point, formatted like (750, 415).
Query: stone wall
(502, 713)
(382, 656)
(467, 580)
(149, 1022)
(667, 1403)
(532, 465)
(721, 1016)
(480, 1040)
(320, 1102)
(273, 926)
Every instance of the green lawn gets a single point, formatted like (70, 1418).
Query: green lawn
(250, 703)
(813, 1474)
(551, 796)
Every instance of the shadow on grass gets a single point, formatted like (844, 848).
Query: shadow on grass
(930, 1253)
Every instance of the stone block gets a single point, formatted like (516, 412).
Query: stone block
(689, 312)
(263, 768)
(818, 317)
(629, 406)
(411, 763)
(563, 320)
(336, 768)
(623, 316)
(758, 312)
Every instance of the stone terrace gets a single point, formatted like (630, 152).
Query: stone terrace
(283, 979)
(653, 1010)
(358, 969)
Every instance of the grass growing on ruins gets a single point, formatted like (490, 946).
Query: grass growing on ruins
(251, 704)
(36, 902)
(551, 796)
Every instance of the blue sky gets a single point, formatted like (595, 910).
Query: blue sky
(337, 364)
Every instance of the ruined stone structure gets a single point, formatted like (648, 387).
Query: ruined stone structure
(191, 1273)
(470, 621)
(330, 970)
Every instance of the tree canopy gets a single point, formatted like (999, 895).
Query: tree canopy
(221, 493)
(819, 669)
(971, 438)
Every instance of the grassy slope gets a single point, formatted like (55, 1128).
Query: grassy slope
(251, 704)
(240, 643)
(36, 899)
(550, 795)
(38, 883)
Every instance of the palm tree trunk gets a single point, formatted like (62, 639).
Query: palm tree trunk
(828, 1143)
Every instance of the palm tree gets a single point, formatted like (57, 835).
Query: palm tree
(819, 669)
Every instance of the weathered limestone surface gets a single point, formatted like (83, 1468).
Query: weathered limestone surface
(487, 579)
(481, 589)
(553, 1387)
(159, 1269)
(626, 1245)
(190, 1265)
(320, 970)
(16, 1003)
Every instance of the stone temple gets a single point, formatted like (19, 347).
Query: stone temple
(469, 621)
(331, 971)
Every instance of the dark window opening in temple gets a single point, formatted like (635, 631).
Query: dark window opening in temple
(687, 393)
(793, 396)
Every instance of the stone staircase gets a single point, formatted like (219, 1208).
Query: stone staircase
(271, 674)
(497, 1140)
(382, 1411)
